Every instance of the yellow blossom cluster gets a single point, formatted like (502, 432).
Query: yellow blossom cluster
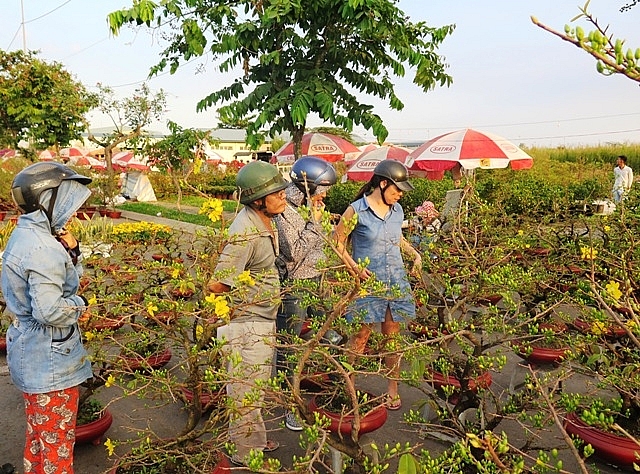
(212, 208)
(140, 231)
(588, 253)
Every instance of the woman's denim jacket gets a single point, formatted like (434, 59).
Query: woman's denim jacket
(39, 283)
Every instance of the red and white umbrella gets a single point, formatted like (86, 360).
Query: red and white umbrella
(323, 145)
(71, 152)
(362, 169)
(46, 155)
(469, 148)
(127, 160)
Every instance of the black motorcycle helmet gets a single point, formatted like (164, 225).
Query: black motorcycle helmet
(30, 183)
(309, 172)
(395, 172)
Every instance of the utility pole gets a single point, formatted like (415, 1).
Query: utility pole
(24, 32)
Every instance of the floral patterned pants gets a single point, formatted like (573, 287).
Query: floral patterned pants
(51, 423)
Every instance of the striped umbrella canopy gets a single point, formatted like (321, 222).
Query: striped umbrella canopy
(47, 155)
(362, 169)
(329, 147)
(471, 149)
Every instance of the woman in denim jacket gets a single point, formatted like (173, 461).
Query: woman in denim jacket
(40, 278)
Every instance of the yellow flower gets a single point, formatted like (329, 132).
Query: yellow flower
(213, 209)
(110, 445)
(92, 300)
(110, 381)
(588, 253)
(88, 336)
(607, 228)
(520, 233)
(199, 331)
(151, 309)
(175, 273)
(598, 328)
(613, 288)
(221, 308)
(246, 278)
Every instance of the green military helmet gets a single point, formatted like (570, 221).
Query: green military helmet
(257, 180)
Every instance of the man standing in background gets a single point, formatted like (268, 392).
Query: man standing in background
(623, 179)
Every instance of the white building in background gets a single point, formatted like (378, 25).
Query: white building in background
(231, 144)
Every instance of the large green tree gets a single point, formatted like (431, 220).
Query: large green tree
(41, 103)
(297, 57)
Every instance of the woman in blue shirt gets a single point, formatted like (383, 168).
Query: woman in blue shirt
(377, 238)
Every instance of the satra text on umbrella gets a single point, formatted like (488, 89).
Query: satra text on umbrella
(469, 148)
(362, 169)
(323, 145)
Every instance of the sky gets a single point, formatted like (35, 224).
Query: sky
(510, 77)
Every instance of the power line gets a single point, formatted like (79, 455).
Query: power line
(48, 13)
(542, 122)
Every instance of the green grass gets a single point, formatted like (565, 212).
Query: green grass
(196, 201)
(172, 213)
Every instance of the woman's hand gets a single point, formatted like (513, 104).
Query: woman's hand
(416, 268)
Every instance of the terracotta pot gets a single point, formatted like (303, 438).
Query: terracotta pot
(92, 432)
(2, 215)
(540, 251)
(113, 214)
(103, 212)
(423, 330)
(154, 361)
(84, 215)
(541, 355)
(207, 399)
(315, 382)
(610, 330)
(489, 300)
(102, 322)
(439, 380)
(182, 294)
(343, 423)
(13, 220)
(3, 343)
(618, 450)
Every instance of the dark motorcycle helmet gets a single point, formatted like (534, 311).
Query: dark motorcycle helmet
(32, 181)
(395, 172)
(257, 180)
(309, 172)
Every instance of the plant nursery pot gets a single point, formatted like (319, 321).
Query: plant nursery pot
(207, 399)
(2, 215)
(84, 215)
(422, 330)
(113, 214)
(103, 322)
(439, 380)
(489, 300)
(3, 343)
(154, 361)
(618, 450)
(92, 432)
(343, 423)
(542, 355)
(610, 330)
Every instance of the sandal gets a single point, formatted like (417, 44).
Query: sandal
(271, 446)
(392, 403)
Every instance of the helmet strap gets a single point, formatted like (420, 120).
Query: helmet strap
(382, 190)
(49, 212)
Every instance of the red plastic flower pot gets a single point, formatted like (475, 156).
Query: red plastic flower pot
(344, 423)
(618, 450)
(92, 432)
